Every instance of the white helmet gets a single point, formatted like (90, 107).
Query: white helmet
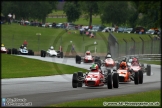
(25, 48)
(108, 56)
(130, 60)
(51, 47)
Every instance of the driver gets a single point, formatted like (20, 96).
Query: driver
(95, 68)
(51, 48)
(88, 53)
(123, 65)
(22, 46)
(134, 61)
(108, 55)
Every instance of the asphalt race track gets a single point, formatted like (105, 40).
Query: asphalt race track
(43, 91)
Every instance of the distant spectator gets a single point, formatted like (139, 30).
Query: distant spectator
(72, 48)
(25, 43)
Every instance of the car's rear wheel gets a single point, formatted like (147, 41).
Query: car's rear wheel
(140, 77)
(80, 75)
(136, 78)
(115, 80)
(9, 51)
(148, 70)
(109, 81)
(78, 59)
(61, 54)
(75, 80)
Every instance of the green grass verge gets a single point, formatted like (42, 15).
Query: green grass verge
(19, 67)
(149, 96)
(12, 36)
(151, 62)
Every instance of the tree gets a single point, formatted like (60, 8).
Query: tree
(116, 12)
(72, 10)
(27, 9)
(151, 10)
(89, 8)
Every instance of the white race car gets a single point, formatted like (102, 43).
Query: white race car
(3, 49)
(52, 53)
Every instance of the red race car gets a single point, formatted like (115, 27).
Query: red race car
(108, 62)
(88, 58)
(95, 78)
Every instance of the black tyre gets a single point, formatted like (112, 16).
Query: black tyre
(115, 80)
(78, 59)
(136, 78)
(29, 52)
(32, 52)
(41, 53)
(75, 80)
(16, 51)
(13, 50)
(109, 81)
(148, 70)
(61, 54)
(117, 66)
(9, 51)
(80, 83)
(140, 77)
(44, 53)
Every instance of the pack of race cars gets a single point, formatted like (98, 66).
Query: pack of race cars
(127, 70)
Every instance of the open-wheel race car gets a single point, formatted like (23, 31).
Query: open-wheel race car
(3, 49)
(95, 78)
(108, 62)
(52, 53)
(88, 58)
(22, 50)
(130, 73)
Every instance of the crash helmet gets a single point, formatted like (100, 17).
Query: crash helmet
(51, 48)
(123, 65)
(108, 56)
(25, 48)
(2, 45)
(134, 59)
(88, 52)
(130, 60)
(94, 67)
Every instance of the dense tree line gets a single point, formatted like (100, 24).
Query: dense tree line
(133, 13)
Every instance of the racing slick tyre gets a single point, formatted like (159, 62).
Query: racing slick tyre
(32, 53)
(9, 51)
(16, 51)
(58, 54)
(148, 70)
(115, 80)
(13, 50)
(29, 52)
(75, 80)
(80, 75)
(78, 59)
(140, 77)
(43, 53)
(61, 54)
(136, 78)
(109, 81)
(117, 66)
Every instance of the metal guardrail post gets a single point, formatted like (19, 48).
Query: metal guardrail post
(134, 45)
(118, 49)
(126, 46)
(142, 45)
(151, 43)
